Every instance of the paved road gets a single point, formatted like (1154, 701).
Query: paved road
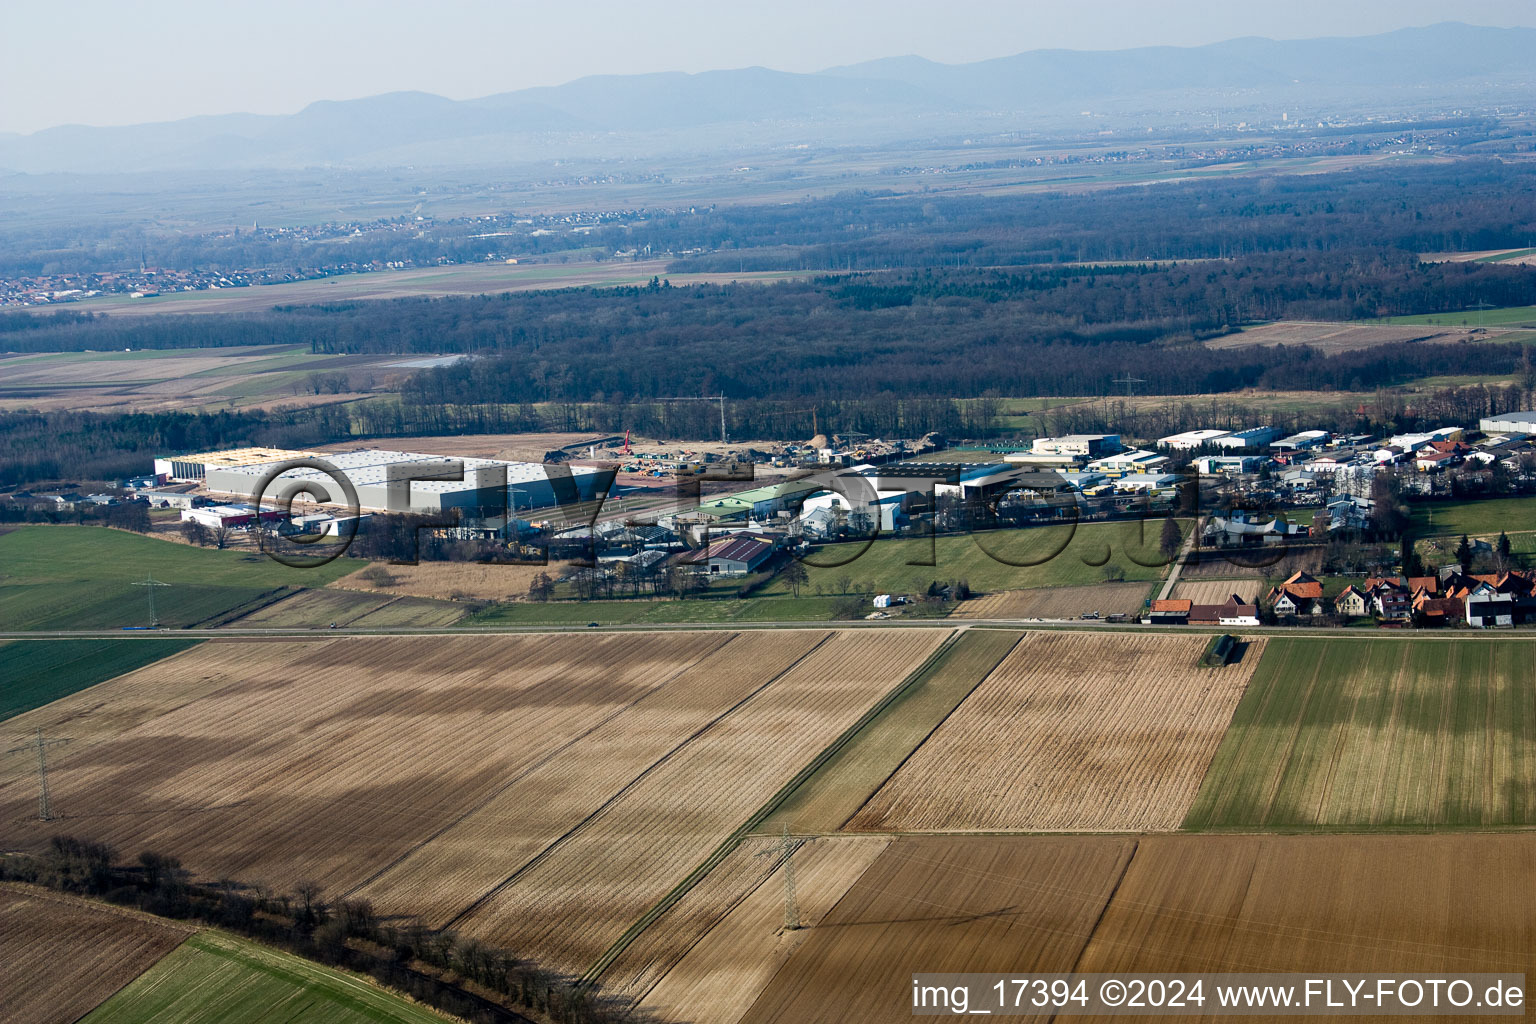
(1178, 563)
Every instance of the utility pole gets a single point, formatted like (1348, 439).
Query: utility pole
(44, 808)
(149, 583)
(707, 398)
(785, 848)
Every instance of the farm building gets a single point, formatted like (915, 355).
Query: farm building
(1179, 612)
(734, 555)
(391, 481)
(195, 468)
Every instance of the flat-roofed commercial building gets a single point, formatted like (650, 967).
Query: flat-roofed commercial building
(194, 468)
(394, 481)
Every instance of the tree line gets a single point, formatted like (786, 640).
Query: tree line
(454, 974)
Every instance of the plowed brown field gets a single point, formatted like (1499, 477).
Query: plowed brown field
(1072, 732)
(945, 904)
(61, 957)
(1389, 904)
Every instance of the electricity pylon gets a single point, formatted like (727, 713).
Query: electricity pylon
(149, 583)
(44, 808)
(785, 848)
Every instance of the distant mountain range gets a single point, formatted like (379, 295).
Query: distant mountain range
(877, 101)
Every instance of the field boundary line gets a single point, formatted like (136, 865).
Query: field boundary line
(928, 736)
(545, 853)
(774, 869)
(531, 768)
(1125, 869)
(724, 850)
(267, 599)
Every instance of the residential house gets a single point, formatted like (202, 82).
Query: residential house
(1352, 603)
(1301, 594)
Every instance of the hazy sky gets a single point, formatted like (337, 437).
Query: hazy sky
(108, 62)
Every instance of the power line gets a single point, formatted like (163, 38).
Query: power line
(44, 808)
(1130, 384)
(785, 848)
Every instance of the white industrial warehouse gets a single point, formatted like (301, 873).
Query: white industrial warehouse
(391, 481)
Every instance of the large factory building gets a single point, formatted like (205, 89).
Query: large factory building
(390, 481)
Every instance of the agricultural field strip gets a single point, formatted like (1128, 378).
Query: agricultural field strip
(677, 814)
(946, 903)
(525, 818)
(61, 955)
(1339, 735)
(271, 799)
(1116, 748)
(964, 659)
(1242, 915)
(214, 977)
(667, 940)
(732, 844)
(849, 776)
(719, 973)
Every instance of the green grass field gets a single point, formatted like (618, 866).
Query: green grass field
(214, 978)
(850, 777)
(1504, 316)
(82, 577)
(1062, 557)
(1474, 518)
(1502, 256)
(1379, 733)
(38, 672)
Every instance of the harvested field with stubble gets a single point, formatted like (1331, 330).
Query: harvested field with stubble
(556, 795)
(1216, 591)
(1367, 733)
(1333, 338)
(326, 760)
(1056, 602)
(583, 892)
(540, 791)
(836, 790)
(744, 944)
(61, 956)
(1251, 564)
(1071, 732)
(1019, 905)
(1389, 904)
